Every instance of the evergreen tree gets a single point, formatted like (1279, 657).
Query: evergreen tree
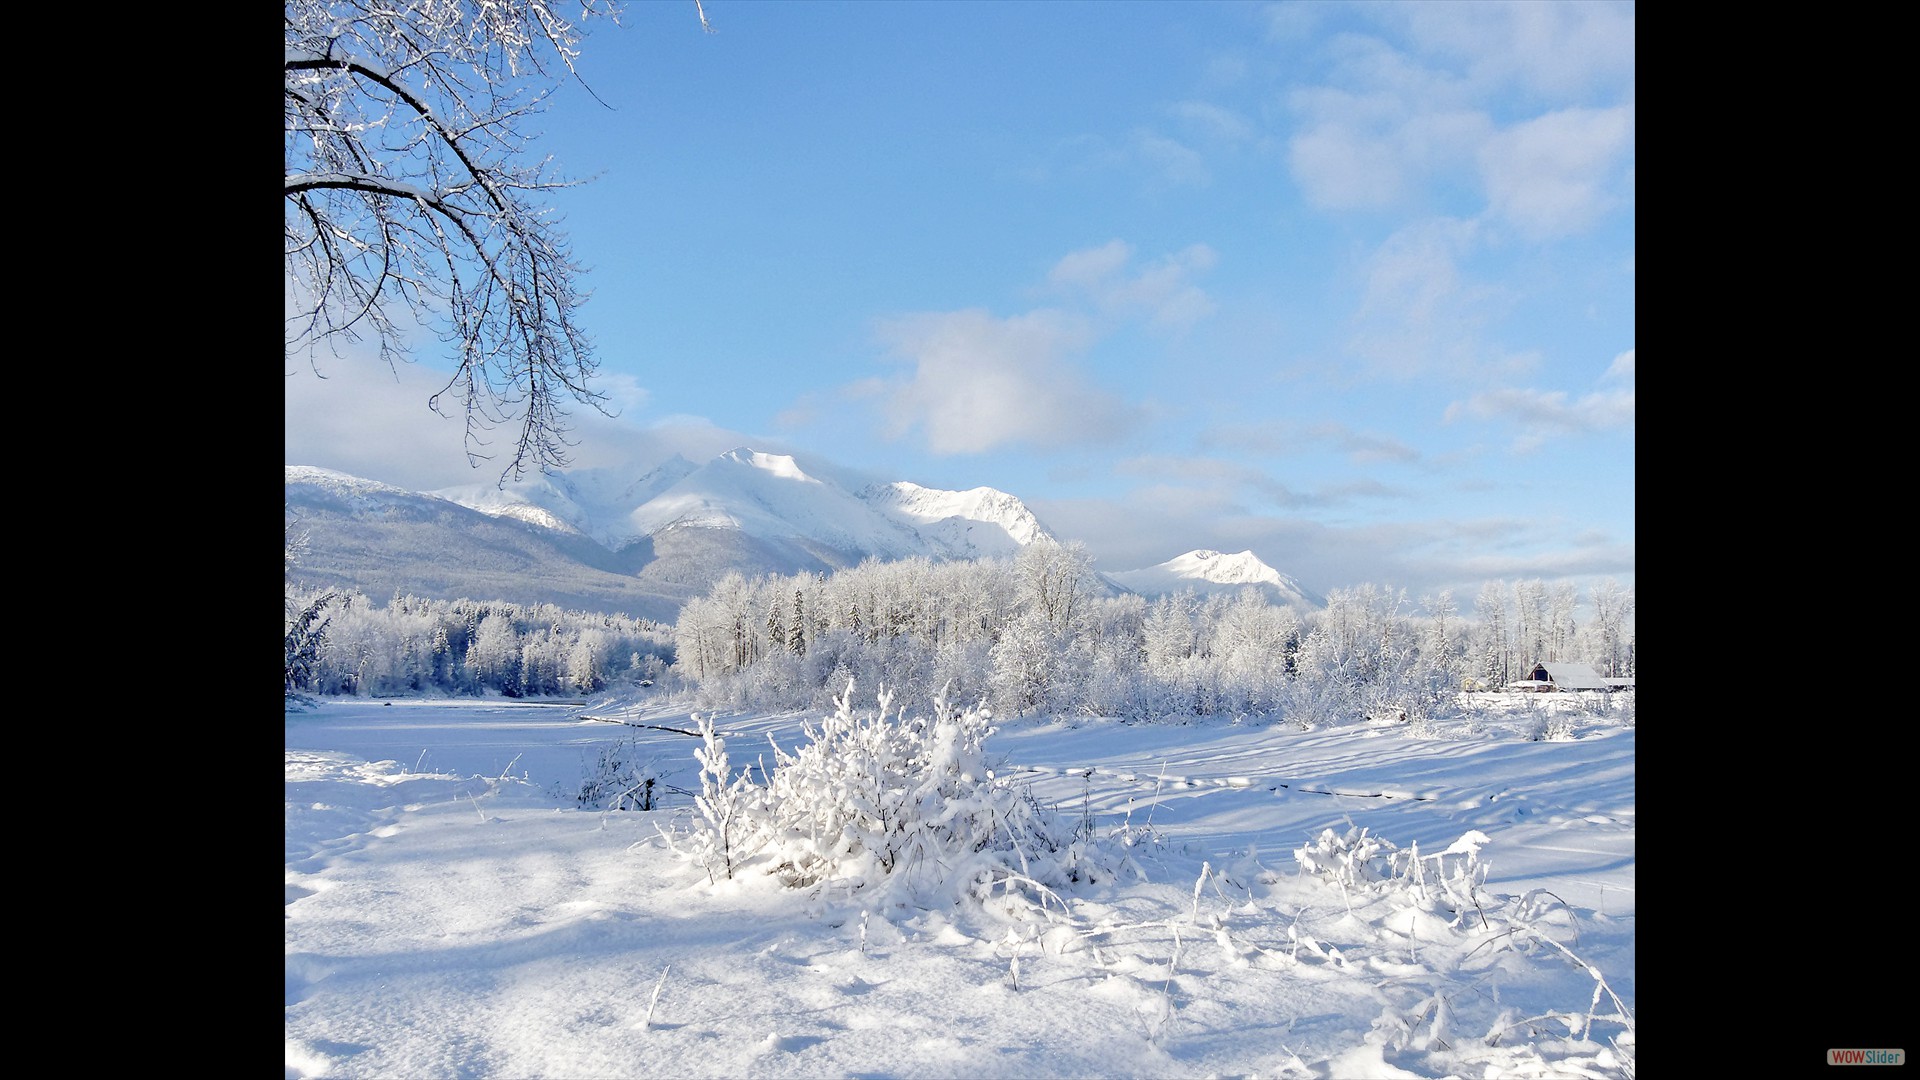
(306, 634)
(797, 637)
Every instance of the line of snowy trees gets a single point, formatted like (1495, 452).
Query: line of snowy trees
(1030, 634)
(1036, 633)
(412, 645)
(1531, 621)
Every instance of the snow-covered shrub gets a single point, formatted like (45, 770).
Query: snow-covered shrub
(1449, 880)
(617, 779)
(1359, 862)
(1416, 689)
(887, 801)
(1549, 725)
(1622, 709)
(1435, 1014)
(963, 667)
(728, 806)
(1354, 860)
(1321, 695)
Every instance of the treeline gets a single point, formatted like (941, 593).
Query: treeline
(344, 643)
(1036, 634)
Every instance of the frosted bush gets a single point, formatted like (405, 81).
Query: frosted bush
(727, 805)
(1616, 708)
(1449, 880)
(1409, 690)
(617, 779)
(1320, 699)
(1354, 860)
(886, 802)
(1428, 1017)
(1550, 725)
(1359, 862)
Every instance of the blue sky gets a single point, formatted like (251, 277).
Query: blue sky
(1351, 285)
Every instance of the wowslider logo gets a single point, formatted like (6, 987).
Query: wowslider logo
(1866, 1057)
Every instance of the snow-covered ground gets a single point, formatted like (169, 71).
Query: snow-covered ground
(452, 910)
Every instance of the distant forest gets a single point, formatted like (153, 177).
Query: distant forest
(1034, 633)
(345, 643)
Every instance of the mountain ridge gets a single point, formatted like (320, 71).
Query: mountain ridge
(601, 539)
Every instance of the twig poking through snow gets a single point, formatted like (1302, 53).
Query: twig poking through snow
(1166, 988)
(655, 999)
(1013, 966)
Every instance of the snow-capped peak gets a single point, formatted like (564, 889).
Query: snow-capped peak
(1204, 570)
(1238, 568)
(775, 497)
(978, 521)
(780, 465)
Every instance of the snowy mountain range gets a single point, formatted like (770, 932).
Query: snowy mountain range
(772, 498)
(600, 539)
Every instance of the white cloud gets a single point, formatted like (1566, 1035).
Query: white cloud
(1420, 107)
(1421, 316)
(1213, 121)
(1414, 276)
(1341, 168)
(1560, 50)
(1161, 290)
(1225, 486)
(1380, 148)
(1283, 437)
(1171, 163)
(1550, 176)
(1543, 414)
(1162, 162)
(979, 382)
(1089, 267)
(623, 392)
(360, 417)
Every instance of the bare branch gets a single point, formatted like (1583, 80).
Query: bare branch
(407, 198)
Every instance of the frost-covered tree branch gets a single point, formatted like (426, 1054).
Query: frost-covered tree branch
(411, 198)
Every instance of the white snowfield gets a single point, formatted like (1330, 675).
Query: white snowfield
(1338, 903)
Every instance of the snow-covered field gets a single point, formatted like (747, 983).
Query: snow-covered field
(452, 910)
